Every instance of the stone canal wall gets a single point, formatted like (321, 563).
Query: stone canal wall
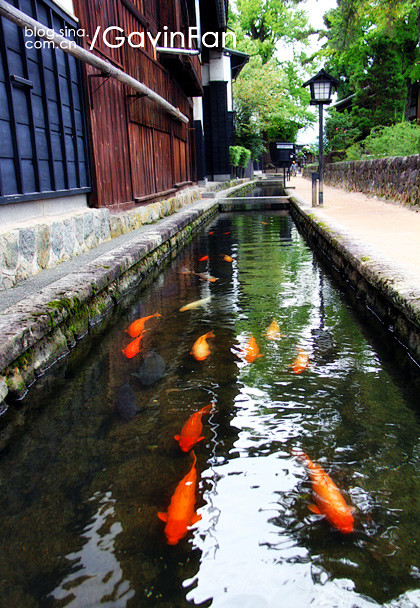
(394, 178)
(387, 291)
(44, 327)
(38, 244)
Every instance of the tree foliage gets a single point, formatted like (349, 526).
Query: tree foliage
(269, 100)
(397, 140)
(266, 22)
(340, 131)
(373, 50)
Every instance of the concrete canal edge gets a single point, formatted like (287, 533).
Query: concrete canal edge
(43, 328)
(387, 290)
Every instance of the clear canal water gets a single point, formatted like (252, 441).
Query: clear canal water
(81, 487)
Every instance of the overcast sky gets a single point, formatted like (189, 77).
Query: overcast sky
(316, 9)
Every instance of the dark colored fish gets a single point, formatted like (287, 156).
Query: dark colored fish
(125, 402)
(152, 369)
(323, 339)
(324, 347)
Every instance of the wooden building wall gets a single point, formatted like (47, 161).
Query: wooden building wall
(138, 150)
(43, 135)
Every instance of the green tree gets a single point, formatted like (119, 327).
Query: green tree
(261, 24)
(340, 132)
(269, 100)
(400, 139)
(372, 49)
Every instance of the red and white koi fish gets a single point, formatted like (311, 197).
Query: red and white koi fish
(185, 270)
(206, 276)
(328, 498)
(181, 511)
(191, 431)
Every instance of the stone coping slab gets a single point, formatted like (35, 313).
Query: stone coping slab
(398, 306)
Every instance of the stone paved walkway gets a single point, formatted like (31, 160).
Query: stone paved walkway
(387, 228)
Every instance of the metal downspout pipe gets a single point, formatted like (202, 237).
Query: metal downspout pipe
(68, 46)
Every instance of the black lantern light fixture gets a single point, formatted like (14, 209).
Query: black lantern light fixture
(321, 87)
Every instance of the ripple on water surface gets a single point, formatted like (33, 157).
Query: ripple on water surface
(82, 485)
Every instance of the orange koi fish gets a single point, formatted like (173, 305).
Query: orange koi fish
(200, 350)
(137, 326)
(203, 258)
(190, 432)
(132, 349)
(211, 232)
(181, 513)
(226, 232)
(227, 258)
(251, 350)
(273, 331)
(300, 363)
(206, 277)
(265, 223)
(328, 498)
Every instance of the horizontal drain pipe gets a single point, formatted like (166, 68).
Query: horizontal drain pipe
(68, 46)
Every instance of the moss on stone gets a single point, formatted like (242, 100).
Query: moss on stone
(67, 304)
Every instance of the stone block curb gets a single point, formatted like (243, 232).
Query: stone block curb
(27, 249)
(42, 328)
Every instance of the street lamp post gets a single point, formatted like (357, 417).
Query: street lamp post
(321, 87)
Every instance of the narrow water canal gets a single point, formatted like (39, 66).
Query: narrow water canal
(81, 485)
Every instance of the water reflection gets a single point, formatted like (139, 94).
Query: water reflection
(264, 538)
(97, 577)
(82, 486)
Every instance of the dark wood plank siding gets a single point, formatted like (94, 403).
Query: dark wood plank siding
(111, 157)
(43, 137)
(138, 149)
(142, 158)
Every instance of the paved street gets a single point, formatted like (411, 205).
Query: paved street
(390, 229)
